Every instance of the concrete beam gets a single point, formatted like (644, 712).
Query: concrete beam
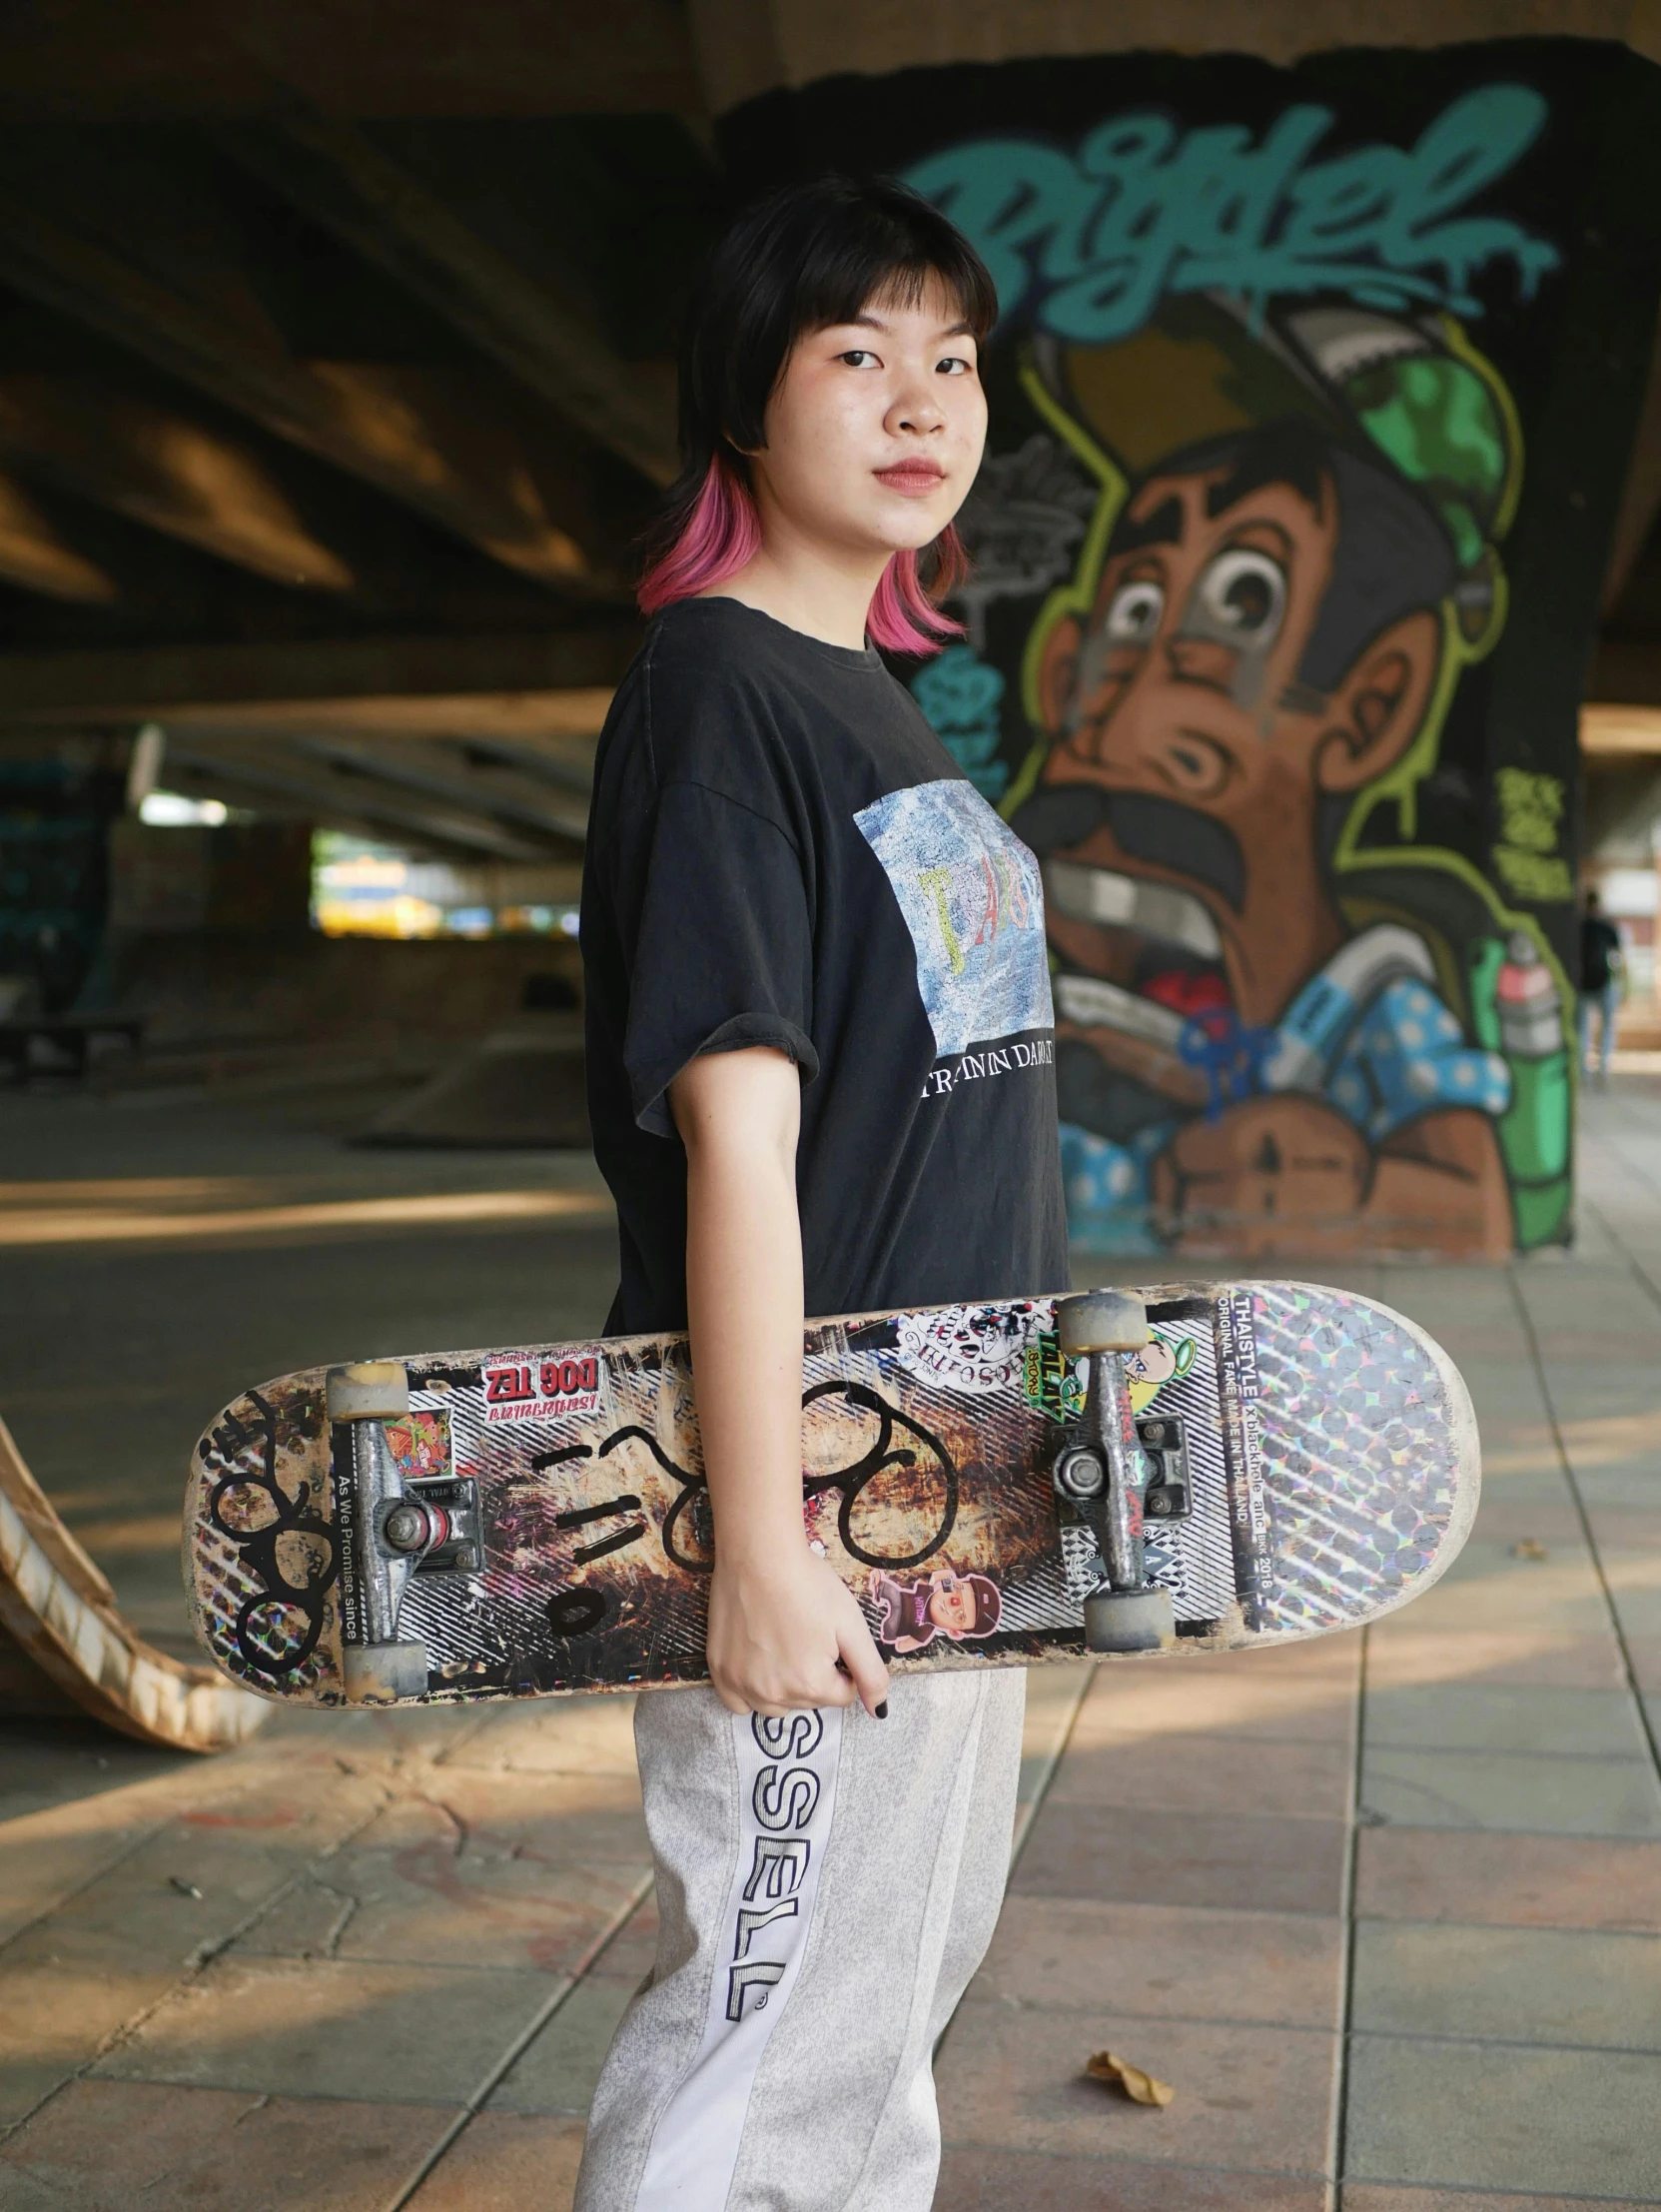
(423, 58)
(150, 684)
(188, 479)
(521, 766)
(748, 47)
(531, 720)
(430, 59)
(246, 774)
(408, 432)
(348, 185)
(35, 556)
(435, 770)
(301, 804)
(1610, 732)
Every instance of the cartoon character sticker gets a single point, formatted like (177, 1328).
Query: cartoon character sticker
(1050, 1380)
(1056, 1383)
(420, 1445)
(918, 1610)
(1162, 1360)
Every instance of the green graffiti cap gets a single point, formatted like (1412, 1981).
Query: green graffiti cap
(1414, 395)
(1429, 410)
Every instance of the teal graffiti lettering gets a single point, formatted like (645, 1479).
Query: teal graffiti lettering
(1089, 242)
(962, 696)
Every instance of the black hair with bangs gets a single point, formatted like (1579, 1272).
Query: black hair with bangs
(802, 259)
(797, 262)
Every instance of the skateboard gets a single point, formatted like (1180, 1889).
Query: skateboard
(1192, 1466)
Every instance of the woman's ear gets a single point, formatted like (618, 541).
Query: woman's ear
(1378, 709)
(1058, 674)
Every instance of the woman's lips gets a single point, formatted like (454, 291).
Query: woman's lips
(914, 479)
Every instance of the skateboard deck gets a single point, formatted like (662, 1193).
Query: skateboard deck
(1261, 1462)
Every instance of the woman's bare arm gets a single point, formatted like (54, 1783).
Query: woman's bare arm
(779, 1617)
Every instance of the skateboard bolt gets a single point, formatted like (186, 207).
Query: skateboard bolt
(407, 1527)
(1080, 1475)
(1158, 1504)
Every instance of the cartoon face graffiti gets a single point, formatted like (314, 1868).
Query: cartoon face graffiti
(1263, 640)
(1233, 673)
(1287, 1018)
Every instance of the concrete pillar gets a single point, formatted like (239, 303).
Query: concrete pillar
(1310, 402)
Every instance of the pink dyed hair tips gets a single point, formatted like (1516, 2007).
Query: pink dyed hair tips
(723, 535)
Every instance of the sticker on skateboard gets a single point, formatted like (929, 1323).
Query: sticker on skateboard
(1207, 1466)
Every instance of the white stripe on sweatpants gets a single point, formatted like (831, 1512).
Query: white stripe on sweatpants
(786, 1801)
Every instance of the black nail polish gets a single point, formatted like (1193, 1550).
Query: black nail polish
(880, 1712)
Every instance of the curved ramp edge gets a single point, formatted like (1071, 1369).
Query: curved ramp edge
(61, 1614)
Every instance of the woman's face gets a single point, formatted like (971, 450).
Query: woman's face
(875, 430)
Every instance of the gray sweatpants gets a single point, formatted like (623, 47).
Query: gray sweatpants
(826, 1885)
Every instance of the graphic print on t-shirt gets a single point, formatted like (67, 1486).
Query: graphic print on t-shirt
(970, 893)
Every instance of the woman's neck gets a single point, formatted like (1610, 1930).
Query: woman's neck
(823, 591)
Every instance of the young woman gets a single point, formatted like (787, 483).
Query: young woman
(797, 918)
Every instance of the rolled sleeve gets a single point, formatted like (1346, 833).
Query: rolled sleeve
(722, 958)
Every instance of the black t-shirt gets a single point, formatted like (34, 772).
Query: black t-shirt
(1599, 939)
(781, 853)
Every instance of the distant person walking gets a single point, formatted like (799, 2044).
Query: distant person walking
(1601, 967)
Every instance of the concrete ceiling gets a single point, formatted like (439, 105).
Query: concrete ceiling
(335, 344)
(335, 383)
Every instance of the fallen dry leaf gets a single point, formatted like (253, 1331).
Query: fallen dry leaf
(1141, 2088)
(1530, 1549)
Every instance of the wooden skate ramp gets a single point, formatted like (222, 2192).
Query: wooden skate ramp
(65, 1649)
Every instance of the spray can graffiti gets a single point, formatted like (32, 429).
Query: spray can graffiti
(1534, 1129)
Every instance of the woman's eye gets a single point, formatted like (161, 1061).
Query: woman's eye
(1133, 613)
(1243, 596)
(857, 357)
(954, 366)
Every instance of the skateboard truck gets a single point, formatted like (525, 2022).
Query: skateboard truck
(394, 1529)
(1164, 1441)
(1103, 1473)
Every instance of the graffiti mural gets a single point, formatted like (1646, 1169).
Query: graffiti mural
(1248, 647)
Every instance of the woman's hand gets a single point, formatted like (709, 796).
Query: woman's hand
(779, 1617)
(777, 1628)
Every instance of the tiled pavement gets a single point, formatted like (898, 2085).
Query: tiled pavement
(1386, 1907)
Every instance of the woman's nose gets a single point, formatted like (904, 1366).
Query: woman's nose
(917, 412)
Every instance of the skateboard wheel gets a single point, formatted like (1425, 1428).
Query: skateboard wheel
(1130, 1621)
(369, 1390)
(1101, 1321)
(383, 1674)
